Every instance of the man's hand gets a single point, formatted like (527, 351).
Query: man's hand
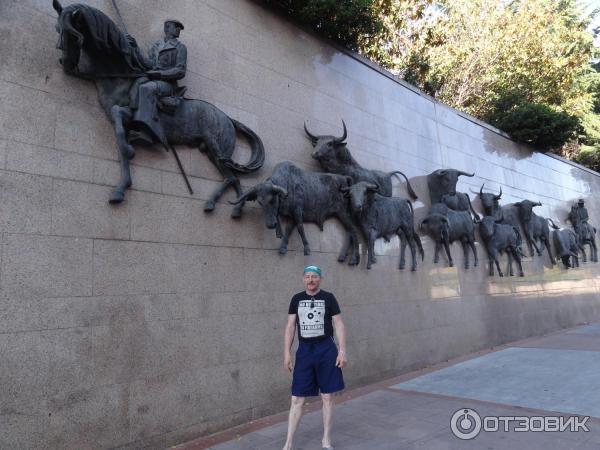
(341, 360)
(287, 362)
(131, 40)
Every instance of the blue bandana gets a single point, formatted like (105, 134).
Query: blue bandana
(315, 269)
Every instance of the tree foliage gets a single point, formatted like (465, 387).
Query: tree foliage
(538, 125)
(344, 21)
(519, 64)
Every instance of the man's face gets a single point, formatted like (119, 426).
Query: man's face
(172, 30)
(312, 281)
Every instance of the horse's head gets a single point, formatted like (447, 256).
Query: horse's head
(70, 38)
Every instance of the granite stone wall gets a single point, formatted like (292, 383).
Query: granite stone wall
(149, 323)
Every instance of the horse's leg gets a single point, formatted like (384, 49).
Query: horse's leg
(583, 252)
(126, 152)
(211, 149)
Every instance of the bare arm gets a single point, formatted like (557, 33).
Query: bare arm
(340, 331)
(290, 331)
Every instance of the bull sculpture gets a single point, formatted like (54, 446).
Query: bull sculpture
(304, 197)
(566, 246)
(446, 226)
(334, 157)
(442, 188)
(507, 214)
(500, 237)
(381, 216)
(535, 227)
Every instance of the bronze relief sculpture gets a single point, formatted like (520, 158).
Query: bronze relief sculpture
(141, 97)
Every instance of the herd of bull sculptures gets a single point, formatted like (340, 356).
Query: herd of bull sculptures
(93, 48)
(361, 199)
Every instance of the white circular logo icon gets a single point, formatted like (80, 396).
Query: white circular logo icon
(465, 423)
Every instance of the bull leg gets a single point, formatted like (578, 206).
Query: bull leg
(372, 235)
(447, 248)
(536, 248)
(300, 225)
(471, 243)
(283, 248)
(413, 251)
(465, 253)
(126, 152)
(510, 252)
(595, 250)
(352, 241)
(436, 256)
(403, 242)
(519, 262)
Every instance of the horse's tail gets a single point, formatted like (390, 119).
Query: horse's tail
(411, 192)
(257, 157)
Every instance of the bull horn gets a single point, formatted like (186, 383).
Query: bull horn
(466, 174)
(473, 191)
(57, 6)
(312, 137)
(245, 195)
(341, 140)
(481, 190)
(279, 190)
(497, 197)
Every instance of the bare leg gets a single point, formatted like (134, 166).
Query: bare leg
(293, 421)
(328, 405)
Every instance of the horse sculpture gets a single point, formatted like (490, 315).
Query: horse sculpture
(586, 233)
(94, 48)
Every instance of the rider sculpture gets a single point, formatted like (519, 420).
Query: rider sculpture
(165, 64)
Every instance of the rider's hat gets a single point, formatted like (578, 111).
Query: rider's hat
(580, 200)
(176, 22)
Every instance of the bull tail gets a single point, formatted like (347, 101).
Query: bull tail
(552, 224)
(411, 192)
(257, 157)
(519, 245)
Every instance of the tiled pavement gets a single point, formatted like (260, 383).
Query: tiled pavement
(558, 373)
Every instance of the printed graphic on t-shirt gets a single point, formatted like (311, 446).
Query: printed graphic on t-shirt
(311, 315)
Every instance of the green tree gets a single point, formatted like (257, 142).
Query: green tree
(346, 22)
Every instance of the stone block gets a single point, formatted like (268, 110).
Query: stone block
(84, 129)
(81, 209)
(38, 266)
(45, 161)
(27, 115)
(89, 418)
(26, 206)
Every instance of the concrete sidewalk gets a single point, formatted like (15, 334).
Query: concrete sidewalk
(558, 374)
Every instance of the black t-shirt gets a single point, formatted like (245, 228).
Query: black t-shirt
(313, 314)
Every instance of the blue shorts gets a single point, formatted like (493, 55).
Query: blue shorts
(315, 369)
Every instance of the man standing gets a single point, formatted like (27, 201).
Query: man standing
(318, 366)
(166, 63)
